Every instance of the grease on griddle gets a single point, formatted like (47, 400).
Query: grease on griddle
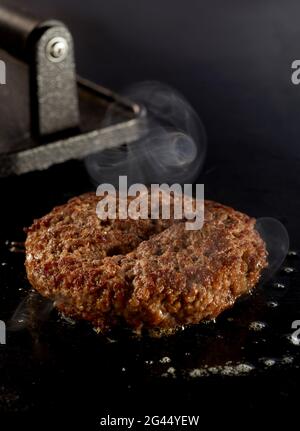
(30, 313)
(229, 369)
(257, 326)
(15, 246)
(288, 269)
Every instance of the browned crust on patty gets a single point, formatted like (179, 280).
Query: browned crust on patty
(142, 273)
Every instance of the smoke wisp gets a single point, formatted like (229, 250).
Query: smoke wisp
(172, 147)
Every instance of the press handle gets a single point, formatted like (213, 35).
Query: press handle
(15, 30)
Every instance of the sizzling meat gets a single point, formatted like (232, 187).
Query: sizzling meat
(151, 274)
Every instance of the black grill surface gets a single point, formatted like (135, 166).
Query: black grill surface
(60, 373)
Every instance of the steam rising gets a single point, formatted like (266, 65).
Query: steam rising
(277, 242)
(172, 147)
(31, 312)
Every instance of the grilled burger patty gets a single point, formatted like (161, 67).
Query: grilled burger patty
(151, 274)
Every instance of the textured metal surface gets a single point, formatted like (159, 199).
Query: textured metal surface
(77, 147)
(94, 101)
(54, 88)
(54, 99)
(20, 153)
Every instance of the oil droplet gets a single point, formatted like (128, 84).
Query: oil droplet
(16, 250)
(288, 269)
(171, 372)
(269, 362)
(257, 326)
(165, 360)
(272, 304)
(68, 319)
(279, 286)
(108, 339)
(15, 246)
(294, 339)
(198, 372)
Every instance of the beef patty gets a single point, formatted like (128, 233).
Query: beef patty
(151, 274)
